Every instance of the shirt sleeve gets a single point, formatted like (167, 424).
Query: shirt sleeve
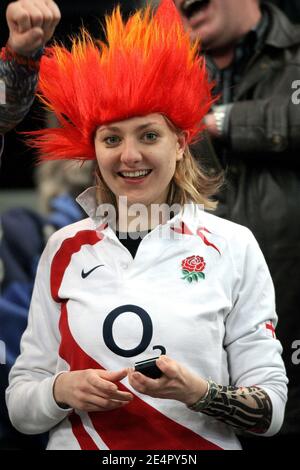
(18, 79)
(254, 353)
(29, 396)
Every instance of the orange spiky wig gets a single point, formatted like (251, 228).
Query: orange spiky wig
(148, 65)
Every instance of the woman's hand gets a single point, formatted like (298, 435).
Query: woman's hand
(91, 390)
(176, 383)
(31, 24)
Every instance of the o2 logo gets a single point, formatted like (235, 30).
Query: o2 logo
(146, 337)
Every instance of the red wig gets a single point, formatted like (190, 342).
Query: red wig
(148, 65)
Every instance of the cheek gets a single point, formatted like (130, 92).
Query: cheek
(170, 169)
(104, 163)
(98, 155)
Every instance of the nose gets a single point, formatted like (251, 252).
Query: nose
(130, 152)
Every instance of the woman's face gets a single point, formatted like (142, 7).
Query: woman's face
(137, 157)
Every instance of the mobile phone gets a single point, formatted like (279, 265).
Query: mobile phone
(149, 368)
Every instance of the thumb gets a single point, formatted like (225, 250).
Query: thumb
(166, 365)
(28, 42)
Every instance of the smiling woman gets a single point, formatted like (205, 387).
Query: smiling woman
(192, 286)
(139, 158)
(136, 153)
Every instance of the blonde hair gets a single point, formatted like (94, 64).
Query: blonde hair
(191, 184)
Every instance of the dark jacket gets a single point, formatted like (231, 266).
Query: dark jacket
(263, 178)
(290, 7)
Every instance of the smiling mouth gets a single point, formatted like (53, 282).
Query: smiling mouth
(139, 174)
(190, 8)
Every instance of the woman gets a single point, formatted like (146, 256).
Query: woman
(148, 269)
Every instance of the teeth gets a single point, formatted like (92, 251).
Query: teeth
(187, 3)
(135, 174)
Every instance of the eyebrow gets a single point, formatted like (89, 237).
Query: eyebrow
(116, 129)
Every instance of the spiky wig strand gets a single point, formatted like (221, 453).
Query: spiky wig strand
(148, 65)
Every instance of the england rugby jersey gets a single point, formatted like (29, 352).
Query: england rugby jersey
(198, 287)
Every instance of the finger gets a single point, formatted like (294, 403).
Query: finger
(113, 376)
(122, 396)
(101, 385)
(104, 403)
(167, 366)
(18, 19)
(139, 382)
(106, 388)
(118, 404)
(106, 391)
(50, 19)
(55, 11)
(35, 13)
(144, 384)
(46, 13)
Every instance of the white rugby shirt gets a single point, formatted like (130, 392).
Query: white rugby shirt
(93, 306)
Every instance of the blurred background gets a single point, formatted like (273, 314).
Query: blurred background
(17, 168)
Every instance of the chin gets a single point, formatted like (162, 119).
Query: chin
(133, 200)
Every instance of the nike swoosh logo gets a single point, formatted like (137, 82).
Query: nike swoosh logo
(84, 275)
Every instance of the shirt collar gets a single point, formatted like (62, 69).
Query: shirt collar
(186, 221)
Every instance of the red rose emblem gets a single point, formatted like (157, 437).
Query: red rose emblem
(192, 268)
(193, 264)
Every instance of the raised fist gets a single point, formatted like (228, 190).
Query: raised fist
(31, 24)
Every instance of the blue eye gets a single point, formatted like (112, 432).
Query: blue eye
(150, 136)
(112, 140)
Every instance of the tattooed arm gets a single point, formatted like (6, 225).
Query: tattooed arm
(31, 25)
(244, 408)
(19, 78)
